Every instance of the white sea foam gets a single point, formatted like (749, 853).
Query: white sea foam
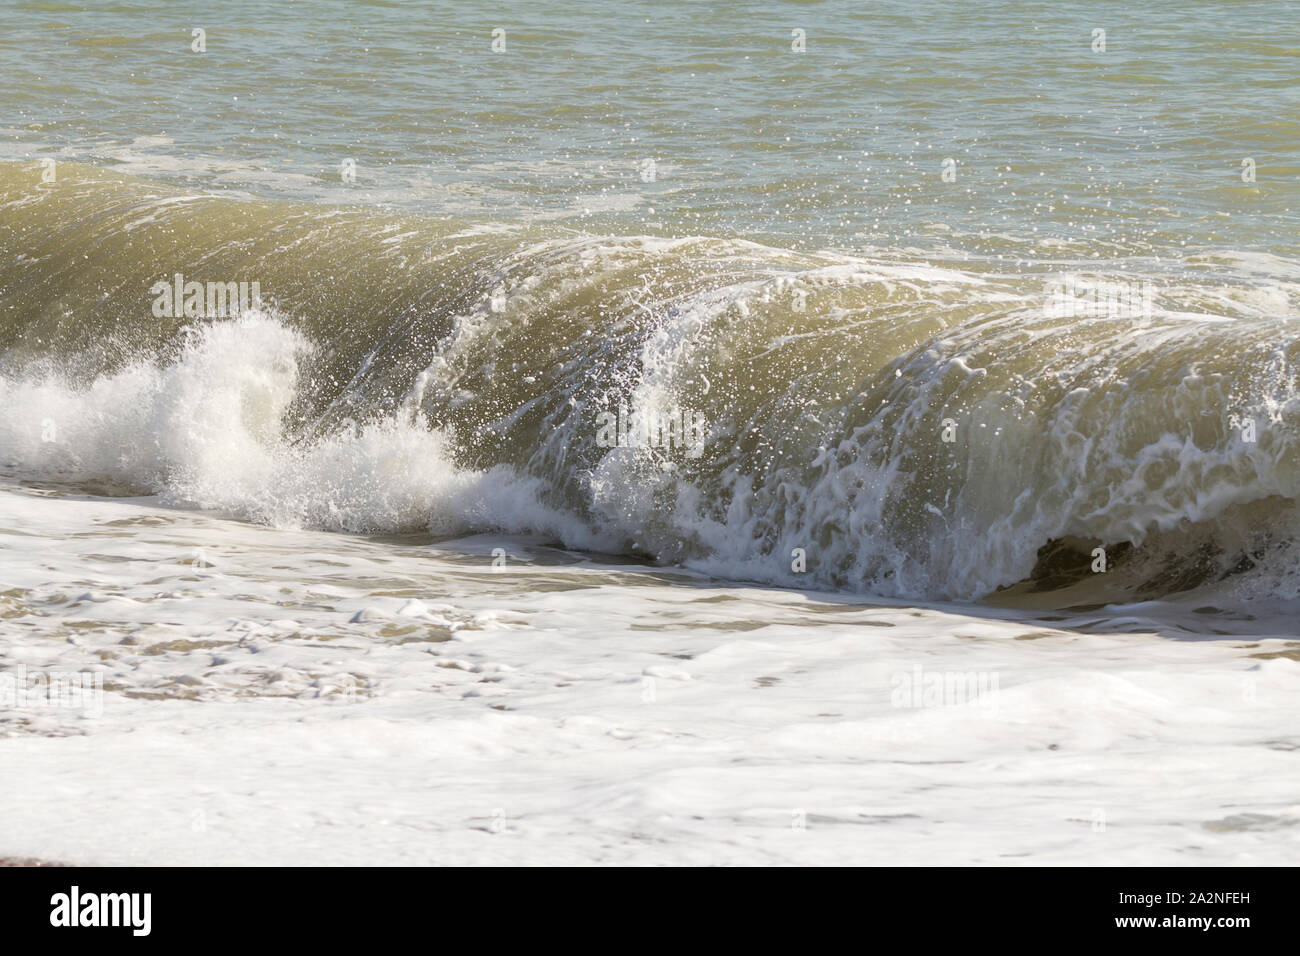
(206, 430)
(298, 697)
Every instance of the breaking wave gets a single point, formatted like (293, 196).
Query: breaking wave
(920, 425)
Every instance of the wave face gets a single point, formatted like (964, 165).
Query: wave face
(920, 425)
